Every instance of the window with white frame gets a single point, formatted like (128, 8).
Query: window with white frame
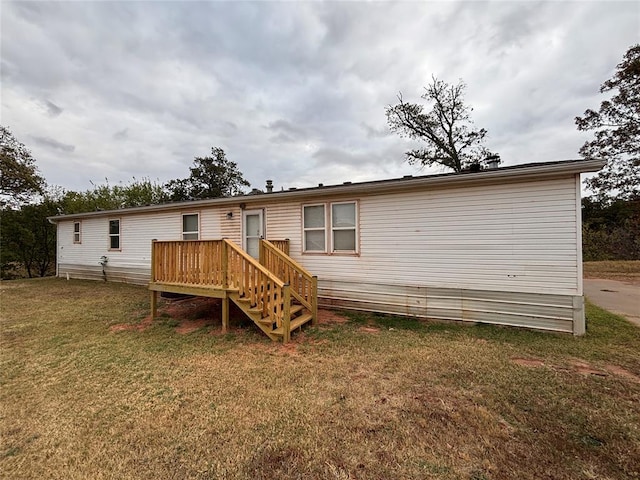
(314, 228)
(343, 227)
(114, 234)
(190, 226)
(77, 232)
(330, 227)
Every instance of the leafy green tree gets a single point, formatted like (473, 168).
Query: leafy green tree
(210, 177)
(447, 130)
(616, 129)
(610, 229)
(28, 240)
(136, 193)
(19, 176)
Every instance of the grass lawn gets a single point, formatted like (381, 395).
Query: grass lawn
(625, 270)
(89, 389)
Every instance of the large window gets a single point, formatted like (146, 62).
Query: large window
(114, 234)
(77, 232)
(190, 226)
(330, 228)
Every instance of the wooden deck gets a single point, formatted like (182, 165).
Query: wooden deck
(277, 293)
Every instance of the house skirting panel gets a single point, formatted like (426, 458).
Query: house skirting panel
(559, 313)
(135, 275)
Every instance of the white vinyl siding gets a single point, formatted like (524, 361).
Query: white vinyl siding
(434, 251)
(137, 232)
(190, 226)
(508, 237)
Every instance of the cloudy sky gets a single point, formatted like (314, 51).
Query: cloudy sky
(293, 91)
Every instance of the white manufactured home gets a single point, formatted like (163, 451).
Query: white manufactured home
(499, 246)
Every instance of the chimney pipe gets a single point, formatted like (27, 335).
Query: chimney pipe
(492, 161)
(269, 186)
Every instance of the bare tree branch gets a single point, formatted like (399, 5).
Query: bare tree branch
(446, 129)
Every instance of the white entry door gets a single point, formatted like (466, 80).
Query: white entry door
(252, 231)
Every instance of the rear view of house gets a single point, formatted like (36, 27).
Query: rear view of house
(498, 246)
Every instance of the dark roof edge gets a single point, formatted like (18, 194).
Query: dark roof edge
(511, 173)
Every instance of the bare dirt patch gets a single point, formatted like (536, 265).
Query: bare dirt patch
(189, 326)
(528, 362)
(127, 327)
(622, 372)
(585, 368)
(328, 317)
(369, 329)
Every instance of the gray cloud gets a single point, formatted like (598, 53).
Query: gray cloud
(121, 134)
(53, 109)
(295, 92)
(285, 132)
(51, 143)
(373, 132)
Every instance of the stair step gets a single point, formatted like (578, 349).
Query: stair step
(295, 309)
(295, 323)
(244, 300)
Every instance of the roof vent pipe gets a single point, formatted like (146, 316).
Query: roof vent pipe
(269, 186)
(493, 161)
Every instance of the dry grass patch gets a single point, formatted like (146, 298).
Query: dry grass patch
(414, 400)
(625, 270)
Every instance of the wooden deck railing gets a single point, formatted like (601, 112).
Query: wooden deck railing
(223, 265)
(190, 262)
(304, 286)
(282, 245)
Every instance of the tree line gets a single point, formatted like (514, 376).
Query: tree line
(28, 239)
(447, 135)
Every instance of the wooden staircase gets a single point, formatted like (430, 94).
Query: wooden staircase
(277, 293)
(298, 316)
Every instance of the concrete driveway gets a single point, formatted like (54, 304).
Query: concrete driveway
(618, 297)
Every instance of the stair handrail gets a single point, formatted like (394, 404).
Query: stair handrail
(273, 300)
(254, 262)
(309, 284)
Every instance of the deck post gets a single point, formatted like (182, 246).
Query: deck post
(154, 294)
(314, 300)
(154, 304)
(286, 313)
(225, 313)
(153, 260)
